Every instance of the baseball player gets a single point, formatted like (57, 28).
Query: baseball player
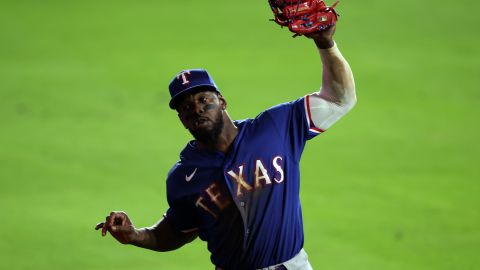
(236, 185)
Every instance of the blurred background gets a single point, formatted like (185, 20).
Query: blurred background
(85, 127)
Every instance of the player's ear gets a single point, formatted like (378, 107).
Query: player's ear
(222, 101)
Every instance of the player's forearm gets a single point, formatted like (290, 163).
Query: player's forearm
(338, 84)
(162, 237)
(146, 239)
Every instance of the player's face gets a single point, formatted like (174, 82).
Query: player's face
(202, 114)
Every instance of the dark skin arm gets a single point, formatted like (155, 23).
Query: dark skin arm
(160, 237)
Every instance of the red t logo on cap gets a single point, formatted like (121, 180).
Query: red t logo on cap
(184, 77)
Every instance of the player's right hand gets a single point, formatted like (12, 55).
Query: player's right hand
(324, 38)
(120, 227)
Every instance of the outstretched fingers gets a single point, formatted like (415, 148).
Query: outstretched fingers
(107, 224)
(116, 221)
(99, 225)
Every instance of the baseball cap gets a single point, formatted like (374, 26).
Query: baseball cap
(188, 81)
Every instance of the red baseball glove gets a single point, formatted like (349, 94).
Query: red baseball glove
(303, 16)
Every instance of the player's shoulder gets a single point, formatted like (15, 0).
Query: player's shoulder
(181, 166)
(280, 111)
(179, 182)
(191, 158)
(297, 103)
(177, 169)
(242, 122)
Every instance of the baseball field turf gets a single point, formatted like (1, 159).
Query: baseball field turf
(85, 127)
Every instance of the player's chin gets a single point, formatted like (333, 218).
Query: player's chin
(204, 134)
(201, 131)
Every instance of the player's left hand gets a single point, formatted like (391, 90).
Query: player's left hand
(120, 227)
(324, 38)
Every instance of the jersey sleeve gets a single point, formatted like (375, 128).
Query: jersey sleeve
(322, 114)
(181, 217)
(181, 212)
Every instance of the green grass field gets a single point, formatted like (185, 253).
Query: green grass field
(85, 127)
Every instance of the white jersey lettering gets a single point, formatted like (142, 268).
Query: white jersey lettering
(238, 178)
(261, 173)
(278, 168)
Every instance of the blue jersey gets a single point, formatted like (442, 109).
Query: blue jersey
(245, 203)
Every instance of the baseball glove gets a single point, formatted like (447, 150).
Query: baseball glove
(303, 16)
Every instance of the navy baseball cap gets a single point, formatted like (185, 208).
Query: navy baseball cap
(189, 81)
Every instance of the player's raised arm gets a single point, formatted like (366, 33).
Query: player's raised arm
(338, 85)
(315, 20)
(159, 237)
(337, 94)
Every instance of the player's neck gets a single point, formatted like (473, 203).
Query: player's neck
(225, 139)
